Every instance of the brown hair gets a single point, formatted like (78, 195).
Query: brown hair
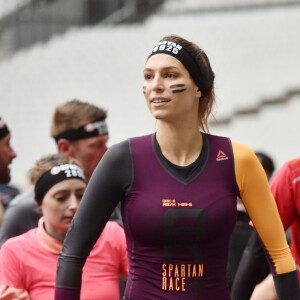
(74, 114)
(207, 98)
(46, 163)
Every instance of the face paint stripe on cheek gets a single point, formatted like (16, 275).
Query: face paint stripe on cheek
(177, 85)
(178, 91)
(174, 86)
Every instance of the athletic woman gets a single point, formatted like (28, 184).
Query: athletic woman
(178, 189)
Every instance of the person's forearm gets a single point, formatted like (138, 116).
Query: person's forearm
(265, 290)
(10, 293)
(252, 269)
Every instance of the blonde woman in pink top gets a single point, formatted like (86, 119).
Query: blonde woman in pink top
(28, 262)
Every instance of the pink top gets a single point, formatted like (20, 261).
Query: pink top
(28, 265)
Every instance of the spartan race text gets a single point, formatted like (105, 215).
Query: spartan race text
(174, 275)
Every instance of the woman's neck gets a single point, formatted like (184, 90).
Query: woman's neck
(55, 234)
(181, 146)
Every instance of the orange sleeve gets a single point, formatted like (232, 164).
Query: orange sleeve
(261, 207)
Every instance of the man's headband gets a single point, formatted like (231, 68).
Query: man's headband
(54, 176)
(4, 131)
(86, 131)
(177, 51)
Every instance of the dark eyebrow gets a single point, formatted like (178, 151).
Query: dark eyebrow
(68, 190)
(165, 68)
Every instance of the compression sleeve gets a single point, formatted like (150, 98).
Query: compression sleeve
(261, 207)
(109, 183)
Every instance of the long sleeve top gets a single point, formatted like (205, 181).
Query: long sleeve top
(285, 186)
(177, 220)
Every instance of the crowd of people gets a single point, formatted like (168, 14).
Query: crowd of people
(79, 130)
(179, 213)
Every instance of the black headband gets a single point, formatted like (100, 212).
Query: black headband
(4, 131)
(180, 53)
(54, 176)
(86, 131)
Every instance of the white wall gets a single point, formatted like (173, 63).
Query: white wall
(254, 55)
